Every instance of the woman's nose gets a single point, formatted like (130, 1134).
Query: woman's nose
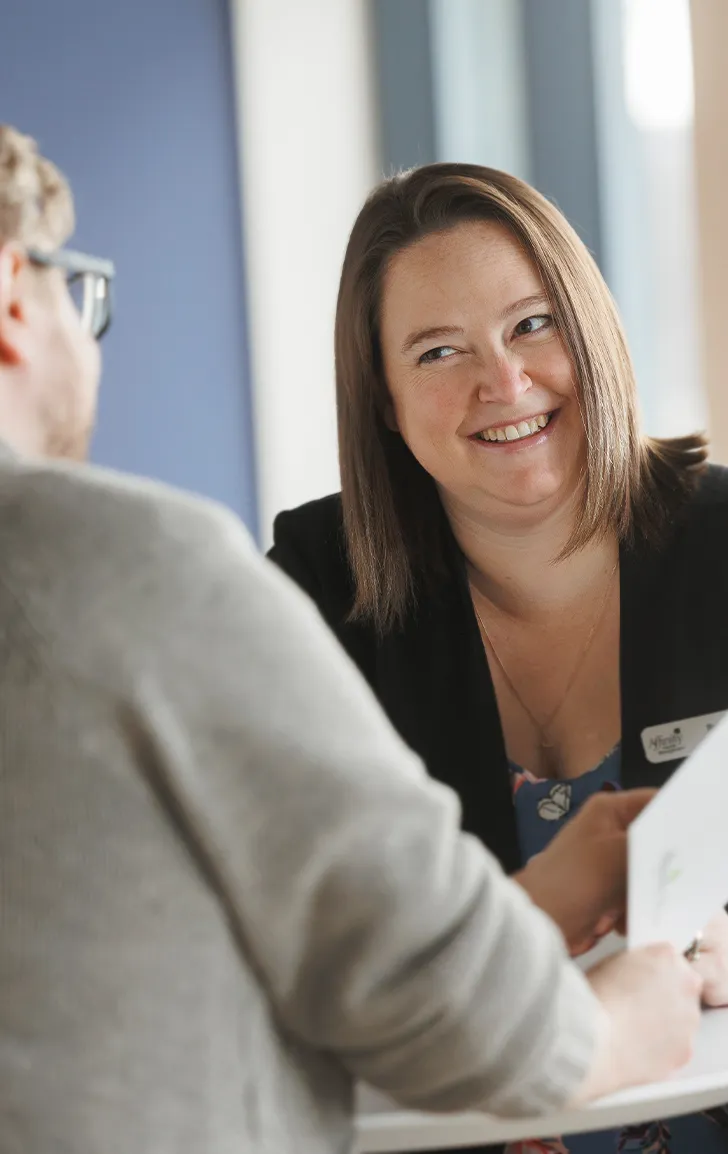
(503, 379)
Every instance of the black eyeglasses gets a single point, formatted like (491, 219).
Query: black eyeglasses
(89, 283)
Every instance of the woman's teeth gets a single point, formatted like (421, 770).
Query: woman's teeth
(515, 432)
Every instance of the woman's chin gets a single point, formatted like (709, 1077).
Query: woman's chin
(533, 489)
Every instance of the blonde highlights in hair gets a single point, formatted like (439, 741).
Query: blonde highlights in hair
(36, 206)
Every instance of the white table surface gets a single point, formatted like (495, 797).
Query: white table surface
(383, 1127)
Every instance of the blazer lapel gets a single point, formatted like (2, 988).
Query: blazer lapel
(674, 641)
(647, 681)
(449, 712)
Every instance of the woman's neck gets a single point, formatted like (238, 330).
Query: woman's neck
(512, 561)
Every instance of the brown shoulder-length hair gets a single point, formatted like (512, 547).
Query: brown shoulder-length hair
(393, 518)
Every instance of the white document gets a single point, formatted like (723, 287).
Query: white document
(678, 849)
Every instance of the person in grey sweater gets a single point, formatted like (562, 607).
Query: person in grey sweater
(227, 890)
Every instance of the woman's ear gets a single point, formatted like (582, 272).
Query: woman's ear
(12, 311)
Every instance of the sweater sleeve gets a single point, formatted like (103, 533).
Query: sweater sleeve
(381, 932)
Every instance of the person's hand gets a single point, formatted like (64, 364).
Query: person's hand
(712, 961)
(580, 879)
(651, 999)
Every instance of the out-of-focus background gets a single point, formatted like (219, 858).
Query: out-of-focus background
(220, 149)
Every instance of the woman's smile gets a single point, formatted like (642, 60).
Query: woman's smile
(518, 434)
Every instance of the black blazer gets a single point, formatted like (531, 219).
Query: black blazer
(432, 677)
(433, 680)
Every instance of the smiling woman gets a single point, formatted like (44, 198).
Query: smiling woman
(430, 256)
(527, 582)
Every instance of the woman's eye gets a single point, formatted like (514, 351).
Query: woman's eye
(438, 354)
(535, 324)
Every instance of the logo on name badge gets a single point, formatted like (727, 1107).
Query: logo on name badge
(678, 738)
(668, 744)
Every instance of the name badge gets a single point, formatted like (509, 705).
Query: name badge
(678, 738)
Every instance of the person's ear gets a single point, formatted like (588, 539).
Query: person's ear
(12, 309)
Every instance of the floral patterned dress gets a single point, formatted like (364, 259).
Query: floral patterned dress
(542, 808)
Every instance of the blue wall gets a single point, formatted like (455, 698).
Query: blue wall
(134, 101)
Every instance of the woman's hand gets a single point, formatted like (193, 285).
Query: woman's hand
(651, 999)
(712, 961)
(580, 879)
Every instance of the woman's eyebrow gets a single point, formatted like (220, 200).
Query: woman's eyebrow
(415, 338)
(535, 300)
(428, 334)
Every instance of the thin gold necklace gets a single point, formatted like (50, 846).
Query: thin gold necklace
(542, 728)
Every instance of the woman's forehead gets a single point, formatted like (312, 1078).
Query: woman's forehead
(476, 261)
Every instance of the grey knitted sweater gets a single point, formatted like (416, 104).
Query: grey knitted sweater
(226, 888)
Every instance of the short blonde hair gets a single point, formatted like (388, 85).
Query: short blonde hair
(393, 519)
(36, 205)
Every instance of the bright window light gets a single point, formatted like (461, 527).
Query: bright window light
(658, 62)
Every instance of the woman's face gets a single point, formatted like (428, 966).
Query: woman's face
(482, 388)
